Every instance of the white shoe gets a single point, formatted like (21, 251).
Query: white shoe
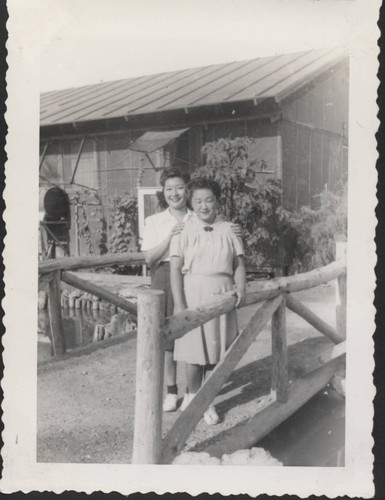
(170, 402)
(211, 416)
(188, 397)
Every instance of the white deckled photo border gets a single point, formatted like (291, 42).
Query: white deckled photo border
(31, 26)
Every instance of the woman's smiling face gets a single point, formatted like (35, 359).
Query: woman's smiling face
(204, 204)
(175, 192)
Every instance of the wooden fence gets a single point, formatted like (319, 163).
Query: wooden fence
(52, 272)
(272, 298)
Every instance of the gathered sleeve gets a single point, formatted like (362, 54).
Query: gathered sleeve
(237, 244)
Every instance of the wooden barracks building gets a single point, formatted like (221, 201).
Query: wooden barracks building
(295, 106)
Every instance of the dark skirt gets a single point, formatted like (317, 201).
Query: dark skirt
(160, 280)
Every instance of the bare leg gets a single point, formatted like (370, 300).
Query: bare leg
(171, 400)
(194, 375)
(169, 368)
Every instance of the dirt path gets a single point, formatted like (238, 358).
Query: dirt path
(86, 403)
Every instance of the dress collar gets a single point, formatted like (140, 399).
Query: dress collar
(204, 224)
(186, 217)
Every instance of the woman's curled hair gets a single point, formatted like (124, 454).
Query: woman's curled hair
(203, 183)
(171, 173)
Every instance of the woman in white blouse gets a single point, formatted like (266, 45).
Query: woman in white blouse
(158, 231)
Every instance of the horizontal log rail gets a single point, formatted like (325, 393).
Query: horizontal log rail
(100, 292)
(74, 263)
(298, 282)
(178, 325)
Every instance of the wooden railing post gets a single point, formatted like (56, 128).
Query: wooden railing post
(54, 304)
(149, 378)
(280, 381)
(341, 292)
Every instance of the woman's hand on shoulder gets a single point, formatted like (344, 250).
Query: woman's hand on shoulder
(177, 229)
(236, 229)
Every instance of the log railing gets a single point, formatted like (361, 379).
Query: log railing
(74, 263)
(52, 272)
(272, 296)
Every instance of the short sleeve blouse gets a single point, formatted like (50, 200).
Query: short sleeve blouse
(206, 252)
(157, 227)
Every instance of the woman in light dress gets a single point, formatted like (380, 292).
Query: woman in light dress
(158, 232)
(206, 258)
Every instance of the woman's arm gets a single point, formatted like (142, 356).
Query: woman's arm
(240, 278)
(176, 280)
(154, 254)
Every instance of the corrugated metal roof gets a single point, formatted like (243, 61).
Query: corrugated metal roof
(266, 77)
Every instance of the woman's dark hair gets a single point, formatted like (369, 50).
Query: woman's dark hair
(171, 173)
(203, 183)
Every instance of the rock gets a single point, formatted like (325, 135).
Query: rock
(120, 323)
(195, 458)
(255, 456)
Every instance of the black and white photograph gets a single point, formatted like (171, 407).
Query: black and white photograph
(189, 282)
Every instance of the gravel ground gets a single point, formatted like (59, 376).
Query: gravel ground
(86, 403)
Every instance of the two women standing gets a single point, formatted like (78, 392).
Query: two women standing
(206, 259)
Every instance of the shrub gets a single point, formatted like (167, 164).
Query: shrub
(318, 229)
(273, 235)
(124, 229)
(124, 223)
(80, 200)
(257, 209)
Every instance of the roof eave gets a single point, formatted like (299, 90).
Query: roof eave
(281, 96)
(169, 119)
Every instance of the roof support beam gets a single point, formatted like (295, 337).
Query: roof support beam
(78, 159)
(43, 155)
(152, 163)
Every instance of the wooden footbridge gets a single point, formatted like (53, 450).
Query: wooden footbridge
(271, 298)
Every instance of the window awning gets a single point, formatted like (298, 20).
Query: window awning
(152, 141)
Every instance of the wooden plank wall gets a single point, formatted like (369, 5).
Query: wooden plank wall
(314, 135)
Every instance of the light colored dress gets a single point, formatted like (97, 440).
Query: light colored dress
(208, 270)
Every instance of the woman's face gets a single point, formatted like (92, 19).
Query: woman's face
(175, 193)
(204, 204)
